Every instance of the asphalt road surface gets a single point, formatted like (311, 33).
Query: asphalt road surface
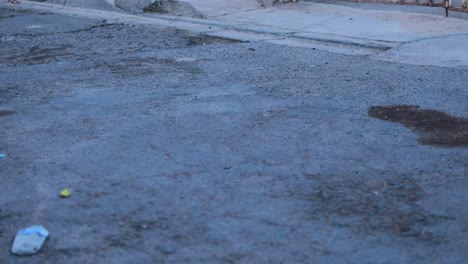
(181, 147)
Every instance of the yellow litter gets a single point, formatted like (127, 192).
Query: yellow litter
(65, 193)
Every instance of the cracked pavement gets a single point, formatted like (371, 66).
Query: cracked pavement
(183, 147)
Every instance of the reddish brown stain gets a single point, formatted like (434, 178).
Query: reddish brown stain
(435, 127)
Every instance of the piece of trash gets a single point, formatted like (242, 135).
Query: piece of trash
(2, 155)
(65, 193)
(29, 240)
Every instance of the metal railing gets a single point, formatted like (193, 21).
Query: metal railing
(453, 5)
(457, 5)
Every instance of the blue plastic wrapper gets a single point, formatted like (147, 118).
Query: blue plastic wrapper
(39, 230)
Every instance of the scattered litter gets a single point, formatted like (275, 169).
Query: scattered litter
(2, 155)
(65, 193)
(29, 240)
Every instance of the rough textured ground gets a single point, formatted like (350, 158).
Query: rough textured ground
(186, 148)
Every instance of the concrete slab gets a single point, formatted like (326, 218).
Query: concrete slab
(346, 21)
(445, 51)
(213, 8)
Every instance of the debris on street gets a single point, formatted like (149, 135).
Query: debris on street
(65, 193)
(29, 240)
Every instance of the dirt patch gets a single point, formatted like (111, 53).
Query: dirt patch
(142, 67)
(368, 206)
(6, 113)
(39, 55)
(435, 127)
(206, 40)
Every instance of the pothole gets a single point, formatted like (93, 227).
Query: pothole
(434, 127)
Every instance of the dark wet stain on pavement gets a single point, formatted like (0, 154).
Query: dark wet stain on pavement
(435, 127)
(6, 112)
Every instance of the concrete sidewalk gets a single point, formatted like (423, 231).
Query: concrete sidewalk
(408, 37)
(340, 20)
(417, 37)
